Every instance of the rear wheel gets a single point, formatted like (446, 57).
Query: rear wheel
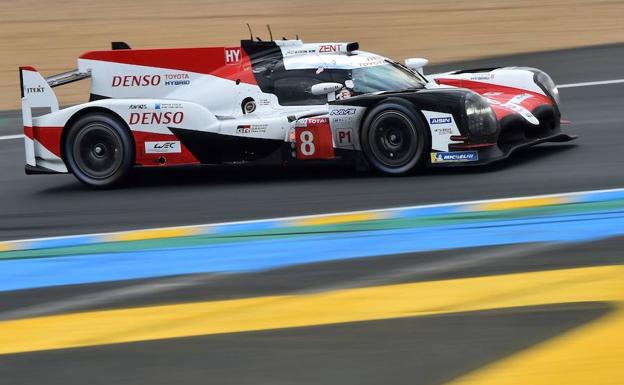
(394, 139)
(99, 150)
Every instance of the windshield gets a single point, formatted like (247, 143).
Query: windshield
(385, 77)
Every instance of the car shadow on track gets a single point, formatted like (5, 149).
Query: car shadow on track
(267, 174)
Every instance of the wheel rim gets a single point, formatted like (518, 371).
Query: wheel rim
(393, 139)
(97, 151)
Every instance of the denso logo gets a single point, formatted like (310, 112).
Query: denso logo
(445, 120)
(156, 117)
(343, 111)
(136, 81)
(330, 48)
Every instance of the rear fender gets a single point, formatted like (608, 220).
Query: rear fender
(148, 120)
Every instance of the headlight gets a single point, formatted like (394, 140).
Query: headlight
(548, 86)
(480, 117)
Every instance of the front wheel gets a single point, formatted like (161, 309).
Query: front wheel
(99, 150)
(394, 139)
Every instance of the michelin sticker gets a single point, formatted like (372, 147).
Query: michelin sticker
(454, 157)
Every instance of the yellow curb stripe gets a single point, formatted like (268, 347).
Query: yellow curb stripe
(592, 354)
(603, 283)
(140, 235)
(518, 204)
(7, 246)
(340, 218)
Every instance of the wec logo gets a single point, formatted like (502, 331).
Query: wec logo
(441, 120)
(163, 147)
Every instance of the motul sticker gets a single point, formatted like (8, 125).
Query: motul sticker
(163, 147)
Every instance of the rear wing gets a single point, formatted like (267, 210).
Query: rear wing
(38, 99)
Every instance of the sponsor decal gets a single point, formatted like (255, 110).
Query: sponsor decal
(150, 80)
(156, 117)
(163, 147)
(170, 106)
(232, 55)
(371, 61)
(317, 120)
(344, 136)
(137, 107)
(177, 80)
(443, 131)
(451, 157)
(343, 111)
(251, 128)
(483, 76)
(518, 99)
(329, 48)
(35, 90)
(136, 81)
(443, 120)
(293, 52)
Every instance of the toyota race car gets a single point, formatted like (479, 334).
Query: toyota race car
(282, 100)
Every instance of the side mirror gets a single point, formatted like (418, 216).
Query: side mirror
(325, 88)
(416, 64)
(328, 89)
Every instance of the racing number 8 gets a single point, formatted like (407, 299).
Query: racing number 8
(307, 143)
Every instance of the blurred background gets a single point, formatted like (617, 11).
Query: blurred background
(51, 35)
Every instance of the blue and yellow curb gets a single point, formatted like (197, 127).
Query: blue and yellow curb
(312, 221)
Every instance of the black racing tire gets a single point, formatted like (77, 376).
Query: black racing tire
(395, 139)
(99, 150)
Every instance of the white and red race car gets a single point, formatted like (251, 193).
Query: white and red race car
(284, 100)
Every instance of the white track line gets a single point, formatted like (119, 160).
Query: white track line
(587, 84)
(8, 137)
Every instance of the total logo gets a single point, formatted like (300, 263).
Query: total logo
(444, 120)
(458, 156)
(317, 121)
(343, 111)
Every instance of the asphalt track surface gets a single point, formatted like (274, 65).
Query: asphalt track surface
(33, 206)
(430, 349)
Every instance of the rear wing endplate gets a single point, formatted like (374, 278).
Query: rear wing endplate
(67, 77)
